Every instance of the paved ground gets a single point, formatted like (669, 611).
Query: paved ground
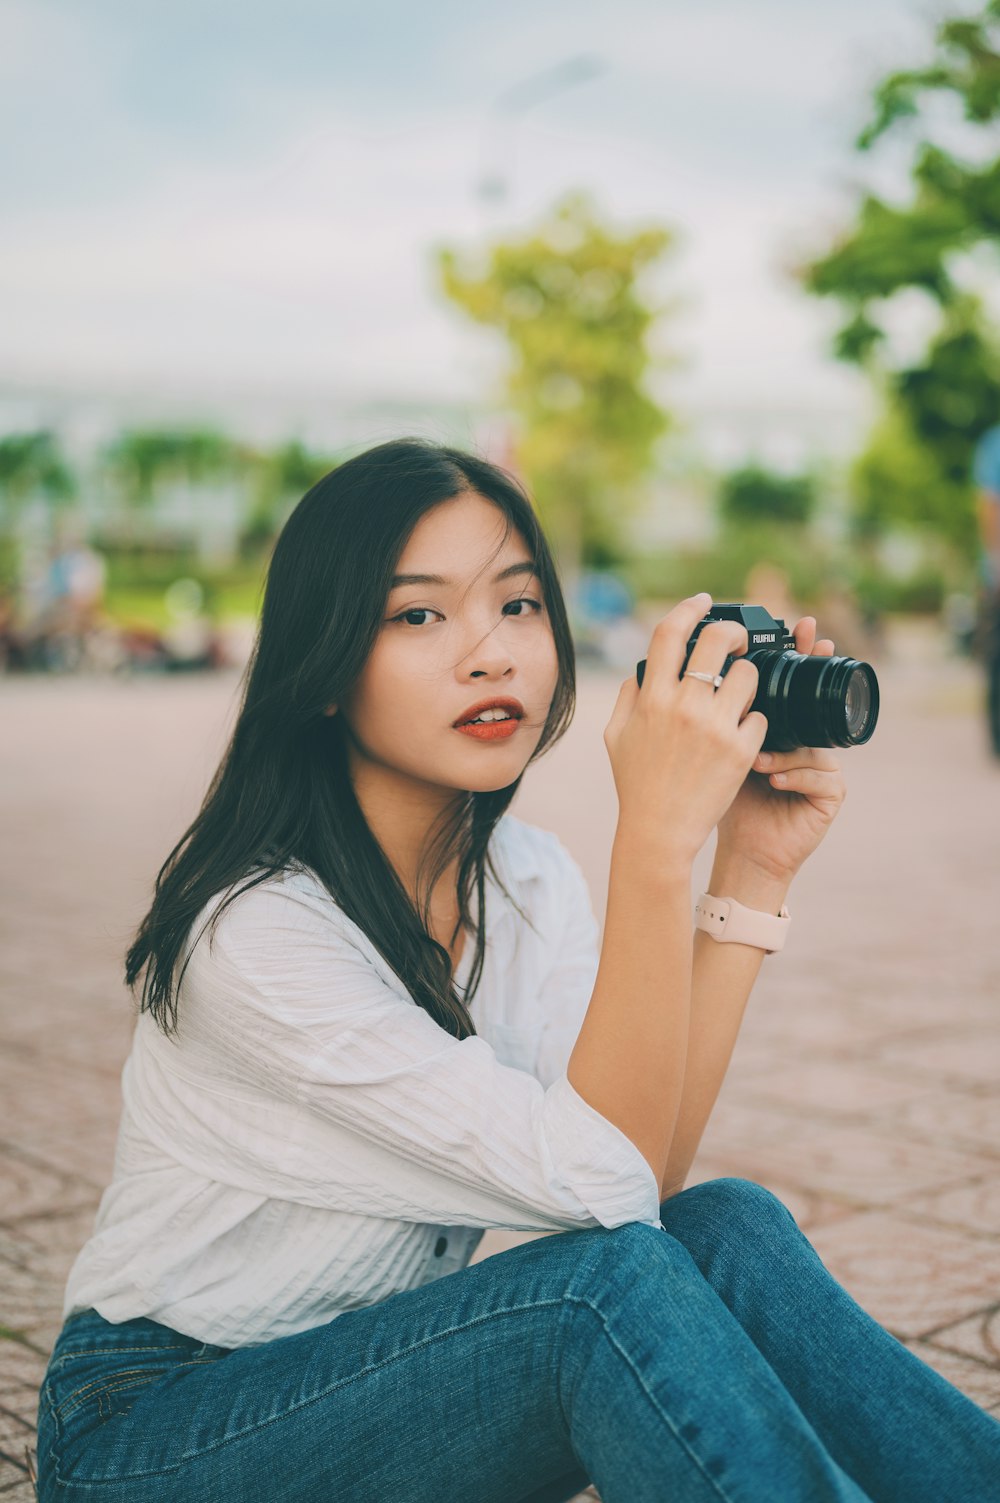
(863, 1087)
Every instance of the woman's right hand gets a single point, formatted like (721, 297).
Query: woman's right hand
(680, 750)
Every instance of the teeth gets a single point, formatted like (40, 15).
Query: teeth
(488, 715)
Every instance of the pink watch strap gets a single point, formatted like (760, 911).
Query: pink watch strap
(726, 920)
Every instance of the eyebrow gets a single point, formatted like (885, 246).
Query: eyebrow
(527, 567)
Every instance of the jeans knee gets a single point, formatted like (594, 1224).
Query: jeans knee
(622, 1258)
(740, 1204)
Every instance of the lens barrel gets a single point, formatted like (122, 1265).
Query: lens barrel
(814, 701)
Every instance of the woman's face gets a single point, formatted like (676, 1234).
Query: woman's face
(443, 647)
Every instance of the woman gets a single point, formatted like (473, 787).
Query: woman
(376, 1021)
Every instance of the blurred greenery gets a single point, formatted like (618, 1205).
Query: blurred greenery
(937, 407)
(769, 519)
(811, 568)
(137, 582)
(919, 592)
(141, 458)
(281, 478)
(32, 464)
(225, 599)
(127, 481)
(900, 480)
(567, 299)
(141, 461)
(753, 495)
(722, 567)
(8, 562)
(762, 517)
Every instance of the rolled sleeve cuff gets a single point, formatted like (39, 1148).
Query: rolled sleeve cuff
(598, 1162)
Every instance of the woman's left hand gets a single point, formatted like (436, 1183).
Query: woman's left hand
(789, 799)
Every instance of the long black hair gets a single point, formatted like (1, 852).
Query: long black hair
(282, 793)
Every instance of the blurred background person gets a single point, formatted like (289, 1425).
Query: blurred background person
(63, 599)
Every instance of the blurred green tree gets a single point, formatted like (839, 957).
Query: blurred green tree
(938, 243)
(141, 460)
(897, 479)
(32, 465)
(753, 495)
(568, 300)
(282, 477)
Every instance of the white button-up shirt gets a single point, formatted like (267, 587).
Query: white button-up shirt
(312, 1141)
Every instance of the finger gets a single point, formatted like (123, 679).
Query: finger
(823, 757)
(669, 640)
(818, 786)
(739, 687)
(752, 730)
(823, 648)
(805, 635)
(715, 642)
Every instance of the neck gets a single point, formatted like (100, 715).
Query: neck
(402, 815)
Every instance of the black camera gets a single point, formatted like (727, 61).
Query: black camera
(808, 701)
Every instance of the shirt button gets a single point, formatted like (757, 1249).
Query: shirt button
(442, 1243)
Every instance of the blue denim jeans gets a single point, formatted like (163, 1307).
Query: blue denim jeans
(711, 1358)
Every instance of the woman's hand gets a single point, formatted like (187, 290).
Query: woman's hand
(789, 799)
(680, 749)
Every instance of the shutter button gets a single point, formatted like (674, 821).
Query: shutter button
(440, 1245)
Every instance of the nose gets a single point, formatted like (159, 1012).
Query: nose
(491, 657)
(499, 666)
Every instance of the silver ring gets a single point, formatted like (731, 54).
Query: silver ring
(706, 678)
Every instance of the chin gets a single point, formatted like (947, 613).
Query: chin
(495, 784)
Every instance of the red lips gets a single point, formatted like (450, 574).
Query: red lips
(513, 706)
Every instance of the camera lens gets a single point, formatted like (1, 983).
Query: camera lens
(858, 704)
(815, 701)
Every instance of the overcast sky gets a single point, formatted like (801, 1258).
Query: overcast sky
(223, 192)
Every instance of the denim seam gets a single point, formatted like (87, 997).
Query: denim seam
(116, 1388)
(713, 1483)
(102, 1351)
(81, 1392)
(67, 1407)
(294, 1409)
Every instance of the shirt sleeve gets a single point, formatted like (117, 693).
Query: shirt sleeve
(393, 1116)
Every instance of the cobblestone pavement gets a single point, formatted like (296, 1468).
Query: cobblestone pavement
(862, 1089)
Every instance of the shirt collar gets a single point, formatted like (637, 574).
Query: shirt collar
(516, 859)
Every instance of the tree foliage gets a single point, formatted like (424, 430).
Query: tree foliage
(752, 495)
(140, 462)
(899, 478)
(281, 478)
(140, 459)
(567, 300)
(946, 399)
(32, 464)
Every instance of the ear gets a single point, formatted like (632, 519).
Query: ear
(330, 710)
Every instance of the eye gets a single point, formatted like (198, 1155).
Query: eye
(425, 610)
(417, 610)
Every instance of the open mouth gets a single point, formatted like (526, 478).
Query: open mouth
(490, 730)
(499, 708)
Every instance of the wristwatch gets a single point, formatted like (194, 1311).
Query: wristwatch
(726, 920)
